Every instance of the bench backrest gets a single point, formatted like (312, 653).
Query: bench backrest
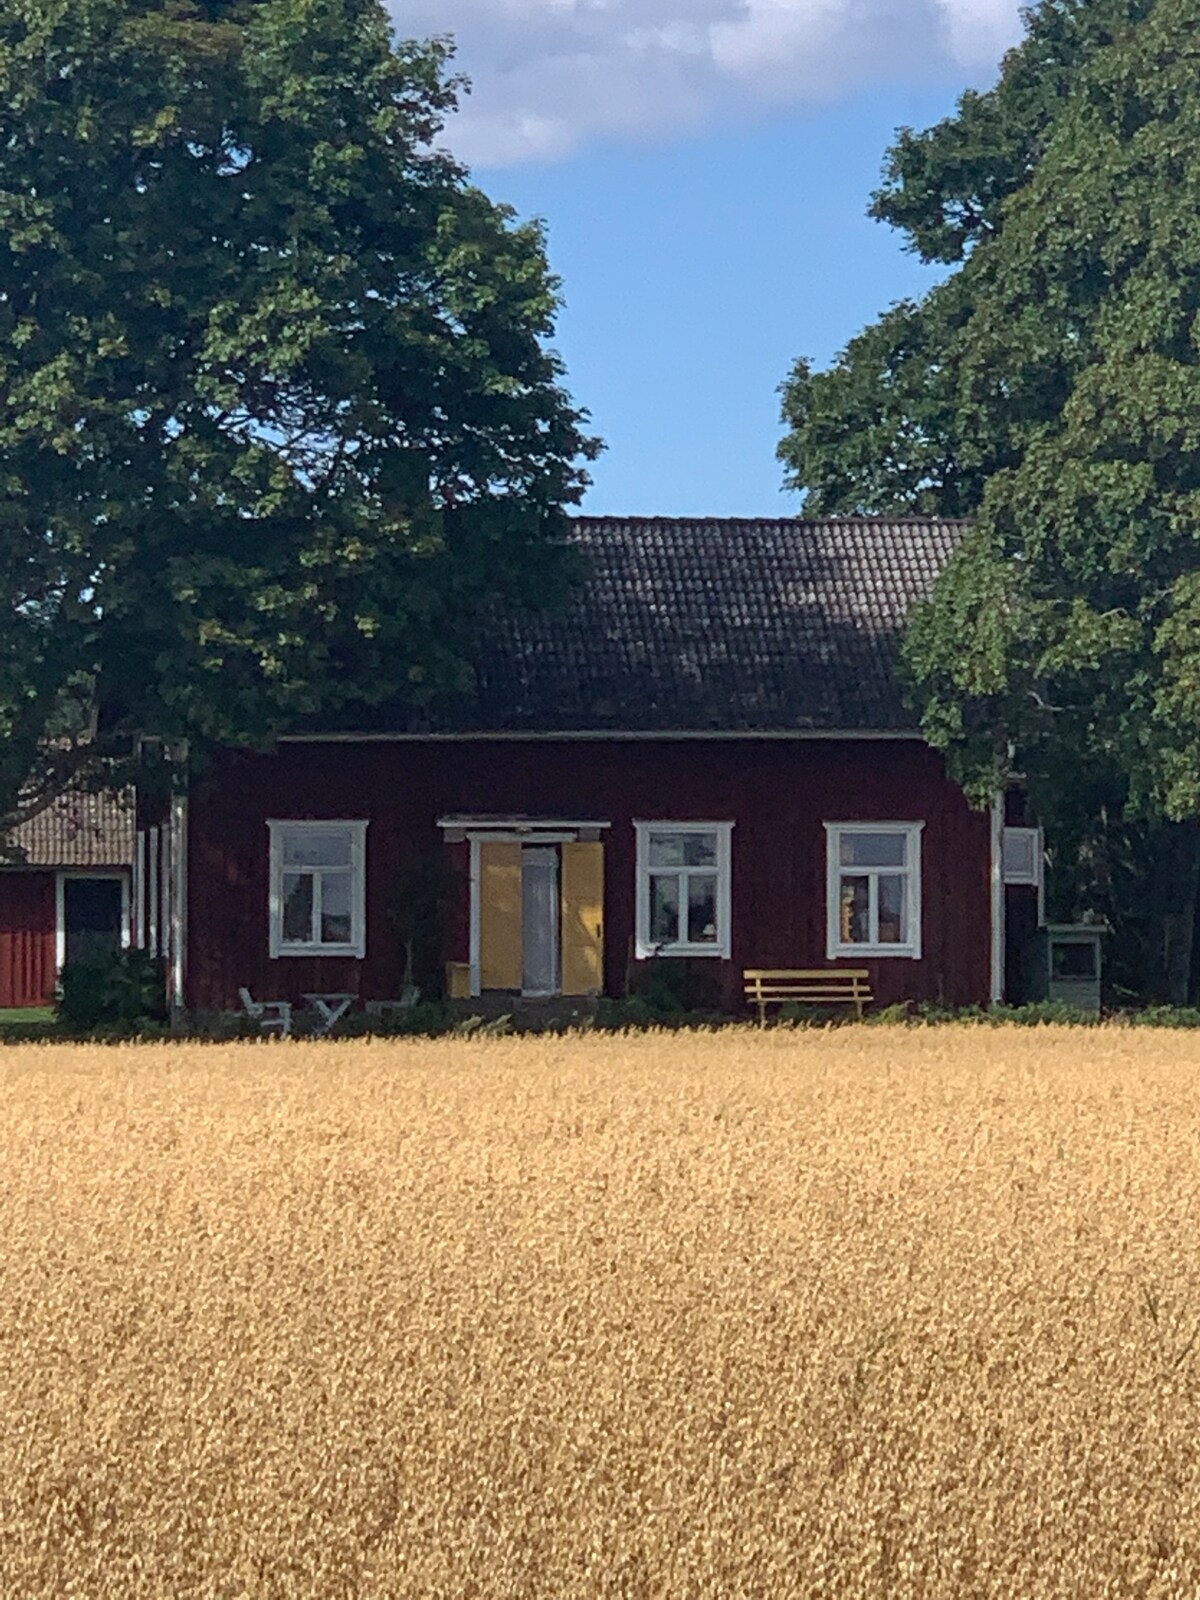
(787, 983)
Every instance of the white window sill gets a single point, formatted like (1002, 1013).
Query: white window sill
(354, 951)
(647, 952)
(848, 952)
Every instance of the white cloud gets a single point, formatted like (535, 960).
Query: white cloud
(549, 75)
(979, 31)
(768, 40)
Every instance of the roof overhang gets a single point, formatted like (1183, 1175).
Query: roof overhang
(522, 824)
(520, 829)
(597, 735)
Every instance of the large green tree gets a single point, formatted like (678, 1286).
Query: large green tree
(277, 412)
(1051, 387)
(895, 425)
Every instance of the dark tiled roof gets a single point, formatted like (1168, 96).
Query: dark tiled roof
(78, 830)
(731, 625)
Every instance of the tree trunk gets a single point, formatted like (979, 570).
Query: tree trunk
(1178, 885)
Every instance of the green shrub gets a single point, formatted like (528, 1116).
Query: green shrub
(639, 1012)
(427, 1019)
(672, 990)
(1165, 1017)
(219, 1026)
(119, 991)
(1045, 1011)
(615, 1016)
(1032, 1015)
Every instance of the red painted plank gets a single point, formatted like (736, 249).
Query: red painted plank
(28, 922)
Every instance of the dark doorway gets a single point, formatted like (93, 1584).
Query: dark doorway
(93, 916)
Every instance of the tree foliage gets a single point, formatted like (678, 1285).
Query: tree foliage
(1051, 386)
(947, 187)
(906, 421)
(1081, 580)
(277, 413)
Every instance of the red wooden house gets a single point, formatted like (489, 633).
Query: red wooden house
(64, 891)
(706, 758)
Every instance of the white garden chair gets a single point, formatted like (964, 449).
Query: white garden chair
(271, 1015)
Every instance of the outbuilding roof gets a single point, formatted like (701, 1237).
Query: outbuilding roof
(696, 625)
(78, 830)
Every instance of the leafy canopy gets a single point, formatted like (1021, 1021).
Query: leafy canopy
(277, 414)
(1051, 385)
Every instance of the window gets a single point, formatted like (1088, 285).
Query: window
(874, 888)
(1075, 959)
(1022, 851)
(683, 896)
(318, 888)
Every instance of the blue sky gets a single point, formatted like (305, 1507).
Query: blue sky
(704, 168)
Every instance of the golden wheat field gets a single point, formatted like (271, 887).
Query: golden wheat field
(864, 1312)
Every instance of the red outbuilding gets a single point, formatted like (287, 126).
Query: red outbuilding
(64, 892)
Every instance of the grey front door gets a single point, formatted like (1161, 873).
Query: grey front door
(540, 920)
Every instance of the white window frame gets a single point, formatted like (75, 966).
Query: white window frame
(834, 831)
(722, 948)
(356, 946)
(60, 907)
(1014, 839)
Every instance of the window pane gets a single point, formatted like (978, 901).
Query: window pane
(683, 849)
(297, 908)
(664, 909)
(702, 908)
(1074, 960)
(668, 849)
(854, 911)
(893, 913)
(316, 847)
(873, 849)
(335, 908)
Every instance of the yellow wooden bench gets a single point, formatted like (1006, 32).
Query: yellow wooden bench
(820, 987)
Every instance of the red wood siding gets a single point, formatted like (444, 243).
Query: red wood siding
(28, 924)
(778, 793)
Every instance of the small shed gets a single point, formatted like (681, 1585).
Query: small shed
(1072, 964)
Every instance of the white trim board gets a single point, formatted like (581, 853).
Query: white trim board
(996, 893)
(596, 735)
(60, 905)
(519, 824)
(475, 953)
(179, 911)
